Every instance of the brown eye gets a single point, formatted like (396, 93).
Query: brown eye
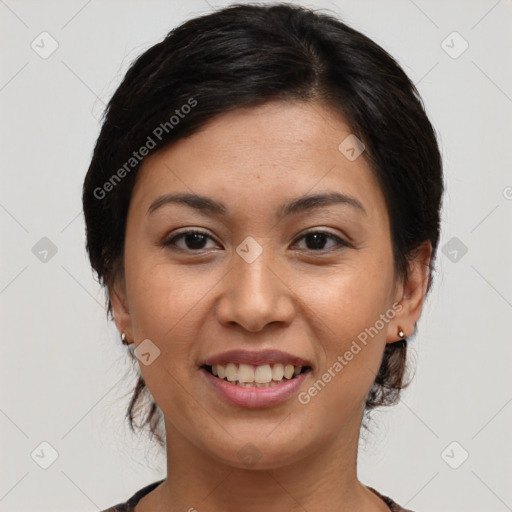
(189, 241)
(317, 241)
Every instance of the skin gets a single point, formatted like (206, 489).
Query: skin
(306, 299)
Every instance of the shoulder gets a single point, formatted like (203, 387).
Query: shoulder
(394, 507)
(121, 507)
(129, 505)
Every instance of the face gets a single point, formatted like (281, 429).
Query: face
(228, 262)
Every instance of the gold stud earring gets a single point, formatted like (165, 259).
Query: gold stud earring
(400, 333)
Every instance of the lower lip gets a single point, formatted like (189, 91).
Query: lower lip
(254, 397)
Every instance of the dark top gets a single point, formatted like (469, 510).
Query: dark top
(129, 505)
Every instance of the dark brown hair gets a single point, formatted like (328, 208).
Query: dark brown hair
(245, 55)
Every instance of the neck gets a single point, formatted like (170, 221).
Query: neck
(325, 480)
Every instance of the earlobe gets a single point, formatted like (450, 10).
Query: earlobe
(412, 293)
(120, 310)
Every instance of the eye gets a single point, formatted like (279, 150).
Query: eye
(192, 240)
(317, 240)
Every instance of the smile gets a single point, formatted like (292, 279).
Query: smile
(256, 376)
(263, 378)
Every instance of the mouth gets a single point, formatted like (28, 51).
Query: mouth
(255, 379)
(256, 376)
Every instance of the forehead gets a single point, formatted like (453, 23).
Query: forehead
(275, 150)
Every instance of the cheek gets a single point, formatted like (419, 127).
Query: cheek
(168, 304)
(160, 296)
(166, 307)
(347, 307)
(349, 298)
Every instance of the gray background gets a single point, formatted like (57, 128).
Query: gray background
(65, 379)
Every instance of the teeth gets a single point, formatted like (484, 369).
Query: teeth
(256, 376)
(277, 371)
(288, 371)
(263, 374)
(245, 373)
(231, 372)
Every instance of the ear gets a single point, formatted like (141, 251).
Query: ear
(120, 310)
(411, 294)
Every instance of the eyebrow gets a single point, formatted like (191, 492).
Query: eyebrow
(293, 207)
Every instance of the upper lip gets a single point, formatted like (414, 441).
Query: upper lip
(256, 358)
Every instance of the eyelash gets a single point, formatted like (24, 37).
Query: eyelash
(171, 242)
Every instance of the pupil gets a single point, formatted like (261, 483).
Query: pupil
(318, 239)
(195, 240)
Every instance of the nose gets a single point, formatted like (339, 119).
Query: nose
(255, 295)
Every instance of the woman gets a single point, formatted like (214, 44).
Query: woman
(262, 207)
